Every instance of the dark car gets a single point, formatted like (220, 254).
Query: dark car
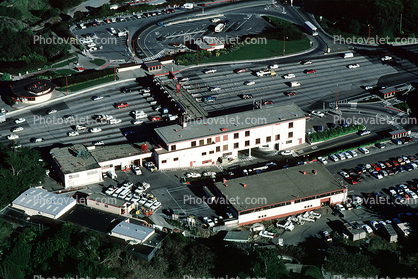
(290, 93)
(310, 71)
(380, 145)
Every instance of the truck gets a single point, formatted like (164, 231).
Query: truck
(294, 84)
(138, 114)
(390, 234)
(265, 72)
(219, 27)
(171, 117)
(2, 117)
(348, 55)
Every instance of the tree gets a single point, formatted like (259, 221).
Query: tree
(354, 26)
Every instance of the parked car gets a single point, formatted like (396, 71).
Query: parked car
(363, 150)
(318, 113)
(380, 145)
(367, 228)
(326, 236)
(344, 174)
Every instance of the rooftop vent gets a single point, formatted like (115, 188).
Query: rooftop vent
(224, 129)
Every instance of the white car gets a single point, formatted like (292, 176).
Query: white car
(323, 160)
(348, 155)
(95, 98)
(412, 194)
(73, 134)
(386, 58)
(137, 170)
(184, 79)
(98, 142)
(95, 130)
(12, 137)
(377, 175)
(344, 174)
(20, 120)
(306, 62)
(286, 152)
(341, 156)
(334, 158)
(149, 203)
(353, 66)
(363, 150)
(318, 113)
(289, 76)
(340, 207)
(214, 88)
(249, 82)
(51, 111)
(137, 122)
(156, 205)
(367, 228)
(353, 153)
(17, 129)
(209, 71)
(368, 87)
(274, 66)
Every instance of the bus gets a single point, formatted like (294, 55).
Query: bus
(311, 28)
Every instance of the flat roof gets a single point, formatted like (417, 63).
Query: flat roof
(104, 153)
(229, 123)
(237, 236)
(278, 186)
(99, 197)
(154, 63)
(388, 90)
(398, 132)
(133, 230)
(43, 201)
(69, 161)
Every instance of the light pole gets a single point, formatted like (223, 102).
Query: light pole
(284, 49)
(336, 102)
(368, 41)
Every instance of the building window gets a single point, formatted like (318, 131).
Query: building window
(164, 161)
(176, 159)
(247, 143)
(218, 149)
(203, 153)
(209, 141)
(236, 145)
(211, 152)
(225, 137)
(225, 147)
(288, 142)
(201, 142)
(218, 139)
(290, 125)
(257, 141)
(278, 137)
(247, 133)
(173, 147)
(236, 135)
(290, 135)
(268, 139)
(193, 143)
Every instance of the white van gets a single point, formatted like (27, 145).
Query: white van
(112, 174)
(294, 84)
(348, 55)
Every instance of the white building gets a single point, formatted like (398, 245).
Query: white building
(204, 142)
(40, 202)
(209, 43)
(79, 165)
(135, 234)
(279, 193)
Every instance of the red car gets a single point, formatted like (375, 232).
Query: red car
(267, 102)
(376, 167)
(290, 93)
(122, 105)
(310, 71)
(351, 180)
(395, 163)
(155, 118)
(241, 70)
